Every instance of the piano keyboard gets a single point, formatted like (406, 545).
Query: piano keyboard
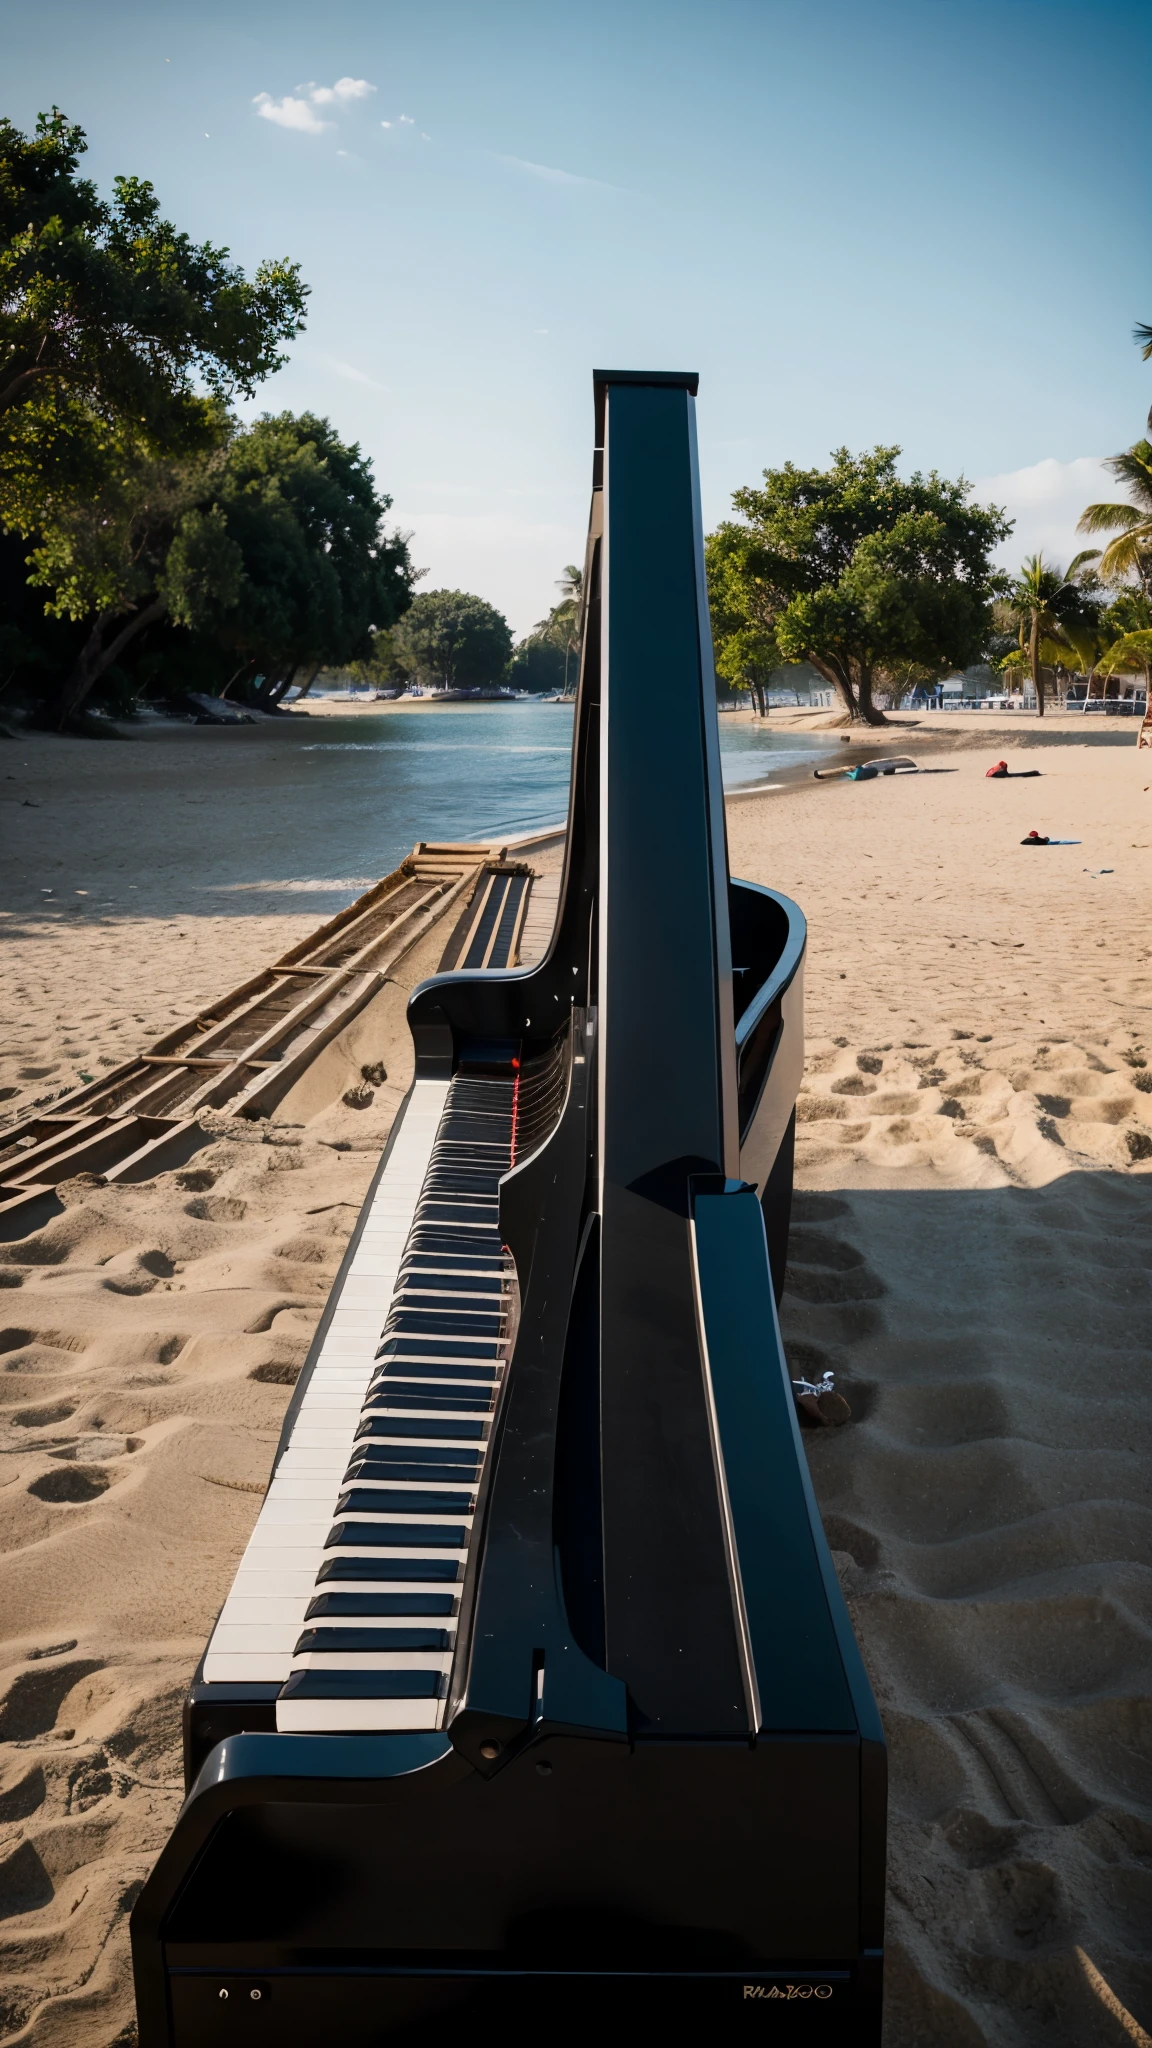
(349, 1590)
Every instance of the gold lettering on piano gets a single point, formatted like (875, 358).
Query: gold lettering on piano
(788, 1991)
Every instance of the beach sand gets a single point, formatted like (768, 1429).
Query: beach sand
(969, 1256)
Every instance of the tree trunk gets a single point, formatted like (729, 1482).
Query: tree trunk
(265, 692)
(1034, 664)
(15, 386)
(95, 656)
(234, 679)
(304, 687)
(869, 712)
(856, 701)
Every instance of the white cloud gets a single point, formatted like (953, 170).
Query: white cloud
(290, 113)
(1046, 500)
(344, 89)
(385, 124)
(299, 113)
(549, 175)
(407, 121)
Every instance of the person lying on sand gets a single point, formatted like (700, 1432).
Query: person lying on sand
(1041, 839)
(1002, 771)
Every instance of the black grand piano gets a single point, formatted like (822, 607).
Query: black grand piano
(535, 1699)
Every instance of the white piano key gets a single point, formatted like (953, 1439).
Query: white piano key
(258, 1666)
(270, 1638)
(270, 1611)
(361, 1717)
(277, 1577)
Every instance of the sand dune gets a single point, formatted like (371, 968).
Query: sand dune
(969, 1255)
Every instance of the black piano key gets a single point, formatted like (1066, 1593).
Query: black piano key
(450, 1347)
(472, 1262)
(434, 1369)
(467, 1284)
(432, 1569)
(408, 1394)
(456, 1212)
(462, 1462)
(476, 1244)
(396, 1536)
(393, 1500)
(427, 1474)
(352, 1604)
(442, 1317)
(364, 1685)
(411, 1426)
(345, 1639)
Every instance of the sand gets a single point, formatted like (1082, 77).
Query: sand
(969, 1256)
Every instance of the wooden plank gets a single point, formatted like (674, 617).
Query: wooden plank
(336, 924)
(33, 1157)
(101, 1148)
(162, 1152)
(384, 938)
(218, 1060)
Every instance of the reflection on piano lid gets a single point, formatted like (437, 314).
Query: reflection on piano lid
(535, 1693)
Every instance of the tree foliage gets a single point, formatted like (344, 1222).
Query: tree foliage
(451, 637)
(272, 546)
(855, 570)
(1130, 554)
(1051, 611)
(547, 657)
(107, 302)
(320, 572)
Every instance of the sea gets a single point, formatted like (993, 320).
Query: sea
(390, 778)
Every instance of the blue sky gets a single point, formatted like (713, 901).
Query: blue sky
(924, 224)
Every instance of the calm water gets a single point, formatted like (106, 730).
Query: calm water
(297, 815)
(459, 773)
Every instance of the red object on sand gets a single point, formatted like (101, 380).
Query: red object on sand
(1001, 768)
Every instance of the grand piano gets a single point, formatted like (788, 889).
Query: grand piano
(535, 1698)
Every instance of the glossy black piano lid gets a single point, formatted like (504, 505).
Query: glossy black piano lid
(667, 1077)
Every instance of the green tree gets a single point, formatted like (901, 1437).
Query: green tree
(856, 571)
(544, 658)
(1048, 611)
(744, 610)
(107, 302)
(451, 637)
(142, 548)
(272, 547)
(322, 575)
(1130, 554)
(1127, 625)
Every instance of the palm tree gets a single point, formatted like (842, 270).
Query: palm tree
(571, 588)
(1131, 552)
(1042, 605)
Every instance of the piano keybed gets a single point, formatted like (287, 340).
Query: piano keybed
(349, 1590)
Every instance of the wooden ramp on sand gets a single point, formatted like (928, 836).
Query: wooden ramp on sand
(240, 1056)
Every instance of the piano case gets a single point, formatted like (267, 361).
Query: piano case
(535, 1699)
